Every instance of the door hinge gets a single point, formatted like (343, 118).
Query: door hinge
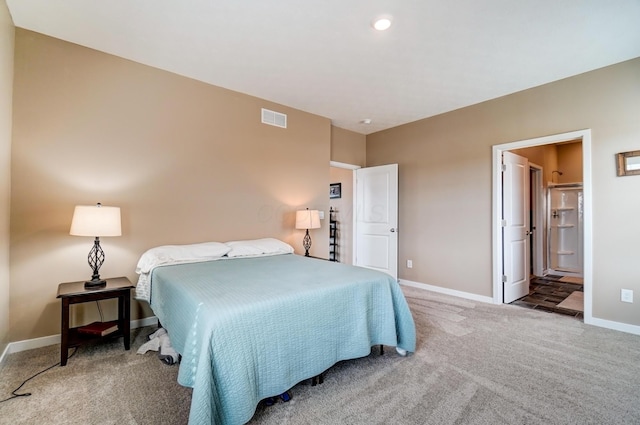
(504, 278)
(503, 223)
(503, 167)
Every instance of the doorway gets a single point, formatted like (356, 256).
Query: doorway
(584, 136)
(343, 207)
(553, 222)
(366, 219)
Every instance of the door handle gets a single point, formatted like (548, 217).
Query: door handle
(393, 230)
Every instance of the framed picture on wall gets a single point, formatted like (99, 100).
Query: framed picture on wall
(335, 190)
(628, 163)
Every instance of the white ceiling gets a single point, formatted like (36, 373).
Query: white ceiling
(323, 56)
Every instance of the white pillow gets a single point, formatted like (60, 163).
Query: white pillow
(174, 254)
(258, 247)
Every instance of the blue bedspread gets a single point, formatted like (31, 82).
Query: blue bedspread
(251, 328)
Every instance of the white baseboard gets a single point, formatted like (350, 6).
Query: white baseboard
(446, 291)
(4, 355)
(602, 323)
(29, 344)
(617, 326)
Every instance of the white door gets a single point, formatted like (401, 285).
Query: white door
(515, 226)
(376, 219)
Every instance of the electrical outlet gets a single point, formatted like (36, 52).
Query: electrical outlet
(626, 295)
(409, 264)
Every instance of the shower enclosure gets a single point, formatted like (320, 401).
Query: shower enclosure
(565, 229)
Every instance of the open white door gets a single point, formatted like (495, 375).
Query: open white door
(515, 226)
(376, 218)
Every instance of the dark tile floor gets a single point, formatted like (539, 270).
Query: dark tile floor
(545, 293)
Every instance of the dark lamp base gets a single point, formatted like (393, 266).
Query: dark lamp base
(306, 243)
(96, 283)
(95, 260)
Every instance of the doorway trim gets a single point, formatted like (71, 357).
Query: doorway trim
(537, 220)
(343, 165)
(497, 150)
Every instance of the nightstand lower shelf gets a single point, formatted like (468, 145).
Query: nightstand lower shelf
(77, 338)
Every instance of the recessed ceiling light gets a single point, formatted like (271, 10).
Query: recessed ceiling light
(366, 121)
(381, 23)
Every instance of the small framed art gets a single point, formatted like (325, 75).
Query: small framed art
(628, 163)
(335, 190)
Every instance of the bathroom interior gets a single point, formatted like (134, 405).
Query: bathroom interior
(556, 283)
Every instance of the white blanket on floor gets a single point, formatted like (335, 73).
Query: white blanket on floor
(159, 341)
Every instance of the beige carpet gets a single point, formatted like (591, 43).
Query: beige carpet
(575, 301)
(475, 364)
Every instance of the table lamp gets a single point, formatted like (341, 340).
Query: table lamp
(95, 221)
(307, 219)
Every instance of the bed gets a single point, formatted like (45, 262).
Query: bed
(251, 319)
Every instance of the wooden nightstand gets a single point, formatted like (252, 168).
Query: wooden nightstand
(75, 292)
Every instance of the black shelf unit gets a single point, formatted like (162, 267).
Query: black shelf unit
(333, 235)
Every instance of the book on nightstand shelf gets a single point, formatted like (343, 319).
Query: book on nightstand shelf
(99, 328)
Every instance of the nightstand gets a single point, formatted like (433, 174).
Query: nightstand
(75, 292)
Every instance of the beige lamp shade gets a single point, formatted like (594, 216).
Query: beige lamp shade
(96, 220)
(307, 219)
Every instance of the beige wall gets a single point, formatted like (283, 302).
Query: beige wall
(563, 157)
(189, 162)
(186, 162)
(545, 156)
(348, 147)
(570, 162)
(6, 88)
(446, 184)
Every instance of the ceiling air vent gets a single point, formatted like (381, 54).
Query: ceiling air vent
(274, 118)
